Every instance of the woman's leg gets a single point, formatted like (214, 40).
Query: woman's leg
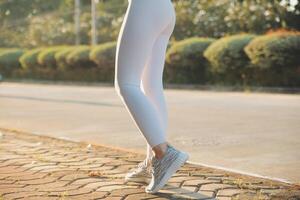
(134, 48)
(152, 79)
(152, 82)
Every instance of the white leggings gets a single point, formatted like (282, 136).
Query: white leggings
(140, 57)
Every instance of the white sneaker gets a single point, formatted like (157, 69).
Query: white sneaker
(139, 174)
(163, 169)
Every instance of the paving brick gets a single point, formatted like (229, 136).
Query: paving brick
(181, 179)
(69, 192)
(138, 196)
(189, 189)
(199, 182)
(110, 188)
(229, 192)
(215, 186)
(83, 181)
(31, 165)
(223, 198)
(25, 176)
(90, 196)
(208, 194)
(114, 198)
(58, 188)
(99, 184)
(69, 177)
(10, 170)
(37, 181)
(14, 185)
(22, 195)
(41, 198)
(189, 196)
(48, 186)
(15, 190)
(121, 192)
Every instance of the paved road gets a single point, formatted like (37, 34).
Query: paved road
(256, 133)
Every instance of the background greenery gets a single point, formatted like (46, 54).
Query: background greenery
(35, 23)
(230, 42)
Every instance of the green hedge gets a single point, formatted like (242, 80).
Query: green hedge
(29, 59)
(276, 58)
(79, 58)
(46, 57)
(61, 57)
(228, 60)
(104, 56)
(9, 60)
(185, 62)
(265, 60)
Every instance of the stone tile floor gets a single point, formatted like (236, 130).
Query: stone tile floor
(35, 167)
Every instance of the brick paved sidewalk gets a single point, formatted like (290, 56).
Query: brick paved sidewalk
(36, 167)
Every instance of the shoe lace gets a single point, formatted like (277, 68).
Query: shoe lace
(141, 165)
(153, 165)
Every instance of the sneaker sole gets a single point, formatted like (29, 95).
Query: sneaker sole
(138, 180)
(182, 158)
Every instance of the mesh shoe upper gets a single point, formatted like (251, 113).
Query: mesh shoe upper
(159, 166)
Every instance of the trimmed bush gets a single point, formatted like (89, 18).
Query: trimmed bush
(276, 58)
(46, 57)
(9, 60)
(79, 58)
(227, 58)
(61, 57)
(29, 59)
(185, 61)
(104, 56)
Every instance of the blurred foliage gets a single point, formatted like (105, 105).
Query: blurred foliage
(104, 56)
(61, 57)
(79, 57)
(29, 59)
(275, 50)
(228, 59)
(185, 60)
(216, 18)
(33, 23)
(46, 57)
(9, 60)
(275, 58)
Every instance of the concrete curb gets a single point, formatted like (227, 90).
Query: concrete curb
(218, 88)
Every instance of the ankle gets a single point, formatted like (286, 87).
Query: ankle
(160, 150)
